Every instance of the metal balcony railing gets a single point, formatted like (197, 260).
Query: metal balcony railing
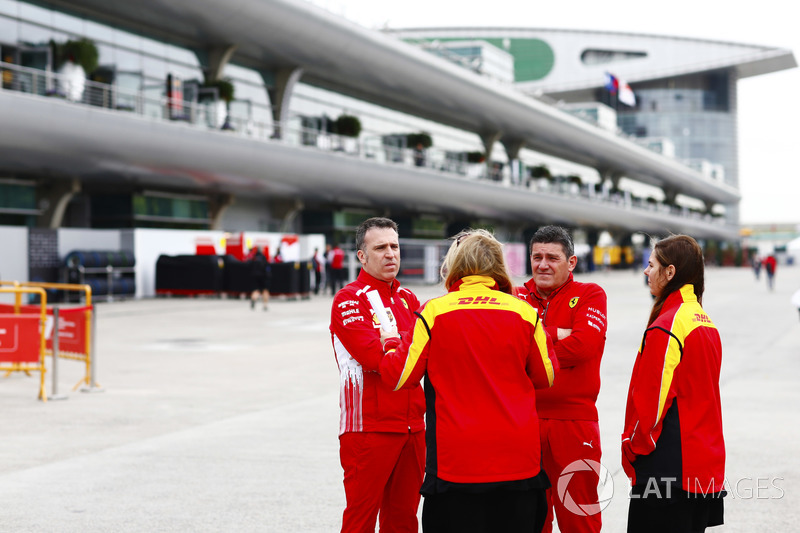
(213, 115)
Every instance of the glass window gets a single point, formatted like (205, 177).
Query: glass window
(17, 196)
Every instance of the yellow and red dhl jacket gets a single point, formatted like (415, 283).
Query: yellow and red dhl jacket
(365, 403)
(580, 307)
(482, 353)
(673, 420)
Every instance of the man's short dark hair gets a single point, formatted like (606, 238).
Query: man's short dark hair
(374, 222)
(554, 234)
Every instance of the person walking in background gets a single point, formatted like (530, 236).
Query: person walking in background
(328, 270)
(337, 268)
(482, 353)
(317, 262)
(770, 265)
(673, 448)
(757, 266)
(260, 272)
(574, 315)
(381, 432)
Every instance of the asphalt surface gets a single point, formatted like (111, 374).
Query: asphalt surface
(214, 417)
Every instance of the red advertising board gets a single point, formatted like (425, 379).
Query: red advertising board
(19, 338)
(71, 326)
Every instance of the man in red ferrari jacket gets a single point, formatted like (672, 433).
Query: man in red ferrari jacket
(381, 432)
(574, 315)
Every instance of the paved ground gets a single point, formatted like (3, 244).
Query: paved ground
(218, 418)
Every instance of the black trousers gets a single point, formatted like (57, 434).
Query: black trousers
(500, 511)
(680, 512)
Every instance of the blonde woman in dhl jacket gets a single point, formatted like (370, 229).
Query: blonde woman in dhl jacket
(482, 352)
(673, 449)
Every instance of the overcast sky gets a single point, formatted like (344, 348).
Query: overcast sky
(769, 105)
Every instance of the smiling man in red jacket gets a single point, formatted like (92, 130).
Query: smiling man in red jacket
(574, 315)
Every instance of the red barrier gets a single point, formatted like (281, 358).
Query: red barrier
(19, 338)
(72, 327)
(22, 343)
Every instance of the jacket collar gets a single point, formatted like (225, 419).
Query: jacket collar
(683, 295)
(531, 286)
(385, 289)
(468, 283)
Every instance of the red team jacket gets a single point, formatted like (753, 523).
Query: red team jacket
(582, 308)
(483, 356)
(367, 404)
(673, 420)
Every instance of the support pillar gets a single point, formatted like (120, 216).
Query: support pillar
(669, 195)
(488, 140)
(217, 205)
(214, 59)
(512, 152)
(55, 202)
(291, 214)
(280, 93)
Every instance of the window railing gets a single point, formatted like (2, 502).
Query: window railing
(213, 115)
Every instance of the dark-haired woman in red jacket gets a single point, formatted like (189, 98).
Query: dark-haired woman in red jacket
(672, 445)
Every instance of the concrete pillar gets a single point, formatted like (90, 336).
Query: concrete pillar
(512, 152)
(488, 140)
(280, 93)
(55, 202)
(289, 213)
(216, 208)
(213, 60)
(669, 195)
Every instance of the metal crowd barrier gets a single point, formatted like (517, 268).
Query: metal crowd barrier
(68, 333)
(22, 336)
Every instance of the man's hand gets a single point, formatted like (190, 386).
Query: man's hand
(563, 333)
(392, 333)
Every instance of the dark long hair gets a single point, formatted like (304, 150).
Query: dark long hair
(682, 252)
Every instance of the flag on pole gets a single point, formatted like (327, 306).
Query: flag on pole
(626, 95)
(620, 87)
(611, 83)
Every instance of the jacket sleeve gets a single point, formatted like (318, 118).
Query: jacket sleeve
(352, 325)
(405, 360)
(542, 361)
(651, 391)
(588, 337)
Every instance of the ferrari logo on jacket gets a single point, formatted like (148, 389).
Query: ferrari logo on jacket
(573, 302)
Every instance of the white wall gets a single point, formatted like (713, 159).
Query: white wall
(151, 243)
(70, 239)
(146, 244)
(13, 256)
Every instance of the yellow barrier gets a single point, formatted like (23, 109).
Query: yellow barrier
(84, 354)
(87, 355)
(27, 366)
